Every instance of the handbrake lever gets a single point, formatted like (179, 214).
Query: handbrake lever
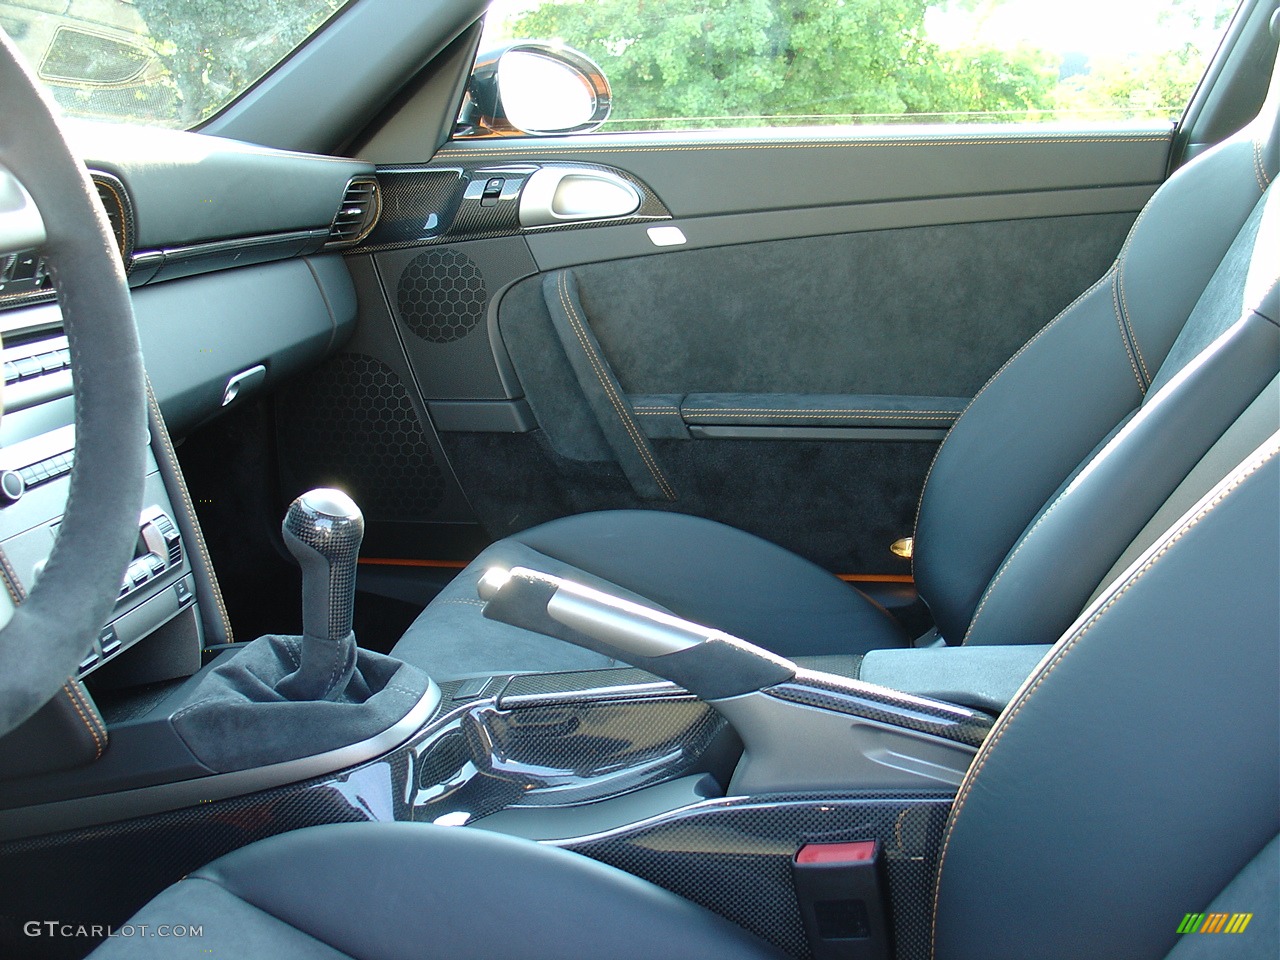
(708, 663)
(800, 730)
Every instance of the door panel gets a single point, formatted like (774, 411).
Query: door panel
(711, 173)
(789, 369)
(929, 310)
(795, 388)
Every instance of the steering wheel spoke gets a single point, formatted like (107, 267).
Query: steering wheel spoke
(21, 226)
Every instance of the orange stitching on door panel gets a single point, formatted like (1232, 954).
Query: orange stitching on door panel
(633, 430)
(528, 151)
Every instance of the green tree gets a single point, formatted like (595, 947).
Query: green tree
(734, 62)
(1150, 85)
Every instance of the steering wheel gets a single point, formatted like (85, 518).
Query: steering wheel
(53, 629)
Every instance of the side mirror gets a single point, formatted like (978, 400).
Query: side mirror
(534, 88)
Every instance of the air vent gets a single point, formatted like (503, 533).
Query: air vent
(119, 214)
(357, 214)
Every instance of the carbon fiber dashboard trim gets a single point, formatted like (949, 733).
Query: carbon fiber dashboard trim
(424, 205)
(120, 216)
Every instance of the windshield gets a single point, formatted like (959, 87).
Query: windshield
(171, 63)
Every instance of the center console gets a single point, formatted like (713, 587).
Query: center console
(157, 600)
(797, 799)
(809, 809)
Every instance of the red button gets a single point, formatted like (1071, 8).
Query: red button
(859, 851)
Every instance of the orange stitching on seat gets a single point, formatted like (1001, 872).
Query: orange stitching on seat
(1128, 323)
(597, 366)
(1124, 339)
(1024, 696)
(1259, 167)
(1121, 260)
(990, 380)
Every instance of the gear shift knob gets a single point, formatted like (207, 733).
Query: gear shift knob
(323, 530)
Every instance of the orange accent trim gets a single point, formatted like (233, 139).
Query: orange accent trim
(459, 564)
(876, 577)
(397, 562)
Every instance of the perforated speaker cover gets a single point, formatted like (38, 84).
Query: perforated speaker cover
(441, 295)
(352, 424)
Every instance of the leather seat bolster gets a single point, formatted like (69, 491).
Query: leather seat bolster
(1165, 778)
(469, 893)
(1036, 595)
(1192, 222)
(1035, 422)
(1027, 430)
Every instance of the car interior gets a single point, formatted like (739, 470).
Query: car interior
(429, 532)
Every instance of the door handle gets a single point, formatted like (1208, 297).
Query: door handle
(555, 195)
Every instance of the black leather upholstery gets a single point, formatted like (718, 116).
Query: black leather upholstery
(1068, 451)
(1135, 778)
(400, 891)
(1139, 771)
(695, 568)
(1193, 265)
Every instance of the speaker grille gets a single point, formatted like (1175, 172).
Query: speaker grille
(442, 295)
(351, 424)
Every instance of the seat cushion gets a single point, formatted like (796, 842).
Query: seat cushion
(395, 891)
(695, 568)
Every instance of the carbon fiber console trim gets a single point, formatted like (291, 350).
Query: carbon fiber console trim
(732, 855)
(858, 699)
(557, 684)
(748, 877)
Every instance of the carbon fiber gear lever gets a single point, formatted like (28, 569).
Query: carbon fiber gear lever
(323, 530)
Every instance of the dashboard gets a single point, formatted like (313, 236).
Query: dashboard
(234, 256)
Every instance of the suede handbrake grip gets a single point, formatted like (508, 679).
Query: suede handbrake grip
(710, 664)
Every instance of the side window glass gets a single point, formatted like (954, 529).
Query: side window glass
(707, 64)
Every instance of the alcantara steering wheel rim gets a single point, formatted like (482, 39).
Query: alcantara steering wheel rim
(48, 635)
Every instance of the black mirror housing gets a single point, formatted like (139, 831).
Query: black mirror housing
(579, 103)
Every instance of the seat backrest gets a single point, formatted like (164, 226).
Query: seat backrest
(1069, 450)
(1135, 778)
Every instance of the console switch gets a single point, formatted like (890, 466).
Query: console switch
(109, 641)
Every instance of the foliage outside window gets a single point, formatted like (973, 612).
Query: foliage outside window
(688, 64)
(172, 63)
